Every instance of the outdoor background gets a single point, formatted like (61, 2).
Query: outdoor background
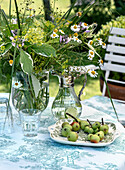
(101, 15)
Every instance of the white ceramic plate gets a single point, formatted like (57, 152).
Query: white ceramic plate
(55, 134)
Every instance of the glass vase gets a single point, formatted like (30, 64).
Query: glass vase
(30, 91)
(66, 100)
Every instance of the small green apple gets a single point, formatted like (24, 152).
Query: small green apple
(86, 129)
(83, 124)
(75, 126)
(89, 136)
(95, 138)
(65, 131)
(69, 126)
(65, 123)
(96, 125)
(104, 128)
(100, 134)
(90, 130)
(72, 136)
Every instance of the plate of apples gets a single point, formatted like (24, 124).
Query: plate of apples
(83, 132)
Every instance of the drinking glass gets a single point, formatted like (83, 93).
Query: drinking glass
(30, 120)
(6, 121)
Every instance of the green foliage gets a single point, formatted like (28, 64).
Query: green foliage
(100, 13)
(26, 62)
(119, 22)
(44, 50)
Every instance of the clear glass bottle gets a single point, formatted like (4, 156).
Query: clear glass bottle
(66, 100)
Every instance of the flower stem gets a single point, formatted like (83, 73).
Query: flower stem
(17, 12)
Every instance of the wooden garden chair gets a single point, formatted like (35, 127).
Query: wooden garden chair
(115, 55)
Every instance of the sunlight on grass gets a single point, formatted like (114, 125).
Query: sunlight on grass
(60, 4)
(4, 88)
(92, 88)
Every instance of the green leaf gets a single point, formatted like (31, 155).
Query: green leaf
(44, 50)
(5, 20)
(26, 62)
(7, 47)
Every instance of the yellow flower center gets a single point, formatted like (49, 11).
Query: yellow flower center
(54, 35)
(79, 14)
(75, 26)
(91, 53)
(10, 61)
(90, 56)
(75, 34)
(85, 24)
(55, 30)
(103, 43)
(31, 15)
(93, 72)
(20, 45)
(101, 61)
(76, 38)
(16, 37)
(91, 42)
(16, 84)
(98, 38)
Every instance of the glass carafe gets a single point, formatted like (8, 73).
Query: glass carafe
(66, 100)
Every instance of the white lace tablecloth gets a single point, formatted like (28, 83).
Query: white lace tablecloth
(42, 153)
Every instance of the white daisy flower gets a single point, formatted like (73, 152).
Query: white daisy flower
(75, 28)
(100, 62)
(54, 35)
(92, 53)
(79, 14)
(61, 31)
(16, 84)
(14, 21)
(30, 16)
(90, 42)
(84, 25)
(103, 45)
(76, 34)
(76, 39)
(92, 73)
(90, 57)
(99, 40)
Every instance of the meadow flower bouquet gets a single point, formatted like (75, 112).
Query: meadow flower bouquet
(32, 47)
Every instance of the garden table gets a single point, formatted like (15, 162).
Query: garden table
(18, 152)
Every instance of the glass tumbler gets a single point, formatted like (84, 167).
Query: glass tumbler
(6, 120)
(30, 120)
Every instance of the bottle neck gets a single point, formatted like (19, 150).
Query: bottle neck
(66, 81)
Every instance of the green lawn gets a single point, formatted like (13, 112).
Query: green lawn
(92, 88)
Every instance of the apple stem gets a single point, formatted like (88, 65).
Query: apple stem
(89, 122)
(102, 121)
(72, 117)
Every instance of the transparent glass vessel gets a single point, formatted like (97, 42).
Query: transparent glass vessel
(66, 100)
(30, 92)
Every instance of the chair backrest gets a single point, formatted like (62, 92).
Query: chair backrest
(115, 55)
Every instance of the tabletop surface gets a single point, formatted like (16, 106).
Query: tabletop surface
(41, 152)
